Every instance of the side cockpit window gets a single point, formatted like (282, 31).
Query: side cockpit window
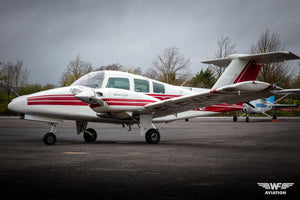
(158, 88)
(121, 83)
(141, 85)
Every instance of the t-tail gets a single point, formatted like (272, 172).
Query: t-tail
(246, 67)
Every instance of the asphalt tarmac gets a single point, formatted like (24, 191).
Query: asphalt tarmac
(211, 158)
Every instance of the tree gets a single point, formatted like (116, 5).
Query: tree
(133, 70)
(14, 75)
(278, 73)
(32, 88)
(118, 67)
(75, 69)
(114, 67)
(170, 67)
(225, 48)
(203, 79)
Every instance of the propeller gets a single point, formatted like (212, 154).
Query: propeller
(87, 95)
(249, 104)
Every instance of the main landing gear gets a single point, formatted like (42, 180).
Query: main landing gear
(89, 135)
(152, 136)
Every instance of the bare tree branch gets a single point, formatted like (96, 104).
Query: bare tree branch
(75, 69)
(225, 48)
(170, 67)
(279, 73)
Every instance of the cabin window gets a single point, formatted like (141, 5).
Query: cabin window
(121, 83)
(141, 85)
(93, 80)
(158, 88)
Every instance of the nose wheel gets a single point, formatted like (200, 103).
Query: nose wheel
(49, 139)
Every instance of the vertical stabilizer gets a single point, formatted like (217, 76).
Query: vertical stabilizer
(271, 99)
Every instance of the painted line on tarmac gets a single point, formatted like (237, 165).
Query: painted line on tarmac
(75, 153)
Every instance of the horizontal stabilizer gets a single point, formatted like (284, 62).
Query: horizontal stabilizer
(266, 58)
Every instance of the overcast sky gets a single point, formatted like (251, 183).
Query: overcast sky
(47, 34)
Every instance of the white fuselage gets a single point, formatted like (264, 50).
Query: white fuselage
(260, 106)
(120, 104)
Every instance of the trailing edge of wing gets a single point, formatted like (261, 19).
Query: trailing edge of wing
(266, 58)
(235, 93)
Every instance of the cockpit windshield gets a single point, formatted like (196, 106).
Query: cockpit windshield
(93, 80)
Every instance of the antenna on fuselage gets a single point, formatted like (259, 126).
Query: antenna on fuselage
(190, 77)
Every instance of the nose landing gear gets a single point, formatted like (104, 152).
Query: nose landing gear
(50, 138)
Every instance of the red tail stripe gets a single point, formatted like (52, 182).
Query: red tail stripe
(249, 73)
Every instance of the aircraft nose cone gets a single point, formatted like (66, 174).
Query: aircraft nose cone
(18, 104)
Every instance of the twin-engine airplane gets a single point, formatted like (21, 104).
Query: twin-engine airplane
(127, 99)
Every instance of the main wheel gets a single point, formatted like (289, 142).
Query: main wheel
(90, 135)
(49, 139)
(247, 119)
(152, 136)
(234, 118)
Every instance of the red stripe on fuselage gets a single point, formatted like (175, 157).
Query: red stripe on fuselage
(128, 102)
(64, 99)
(57, 103)
(163, 96)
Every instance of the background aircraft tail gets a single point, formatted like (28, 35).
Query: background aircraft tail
(246, 67)
(271, 99)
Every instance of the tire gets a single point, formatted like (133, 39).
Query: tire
(234, 118)
(90, 138)
(49, 139)
(152, 136)
(247, 119)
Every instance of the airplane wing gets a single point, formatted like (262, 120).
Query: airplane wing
(287, 91)
(235, 93)
(277, 106)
